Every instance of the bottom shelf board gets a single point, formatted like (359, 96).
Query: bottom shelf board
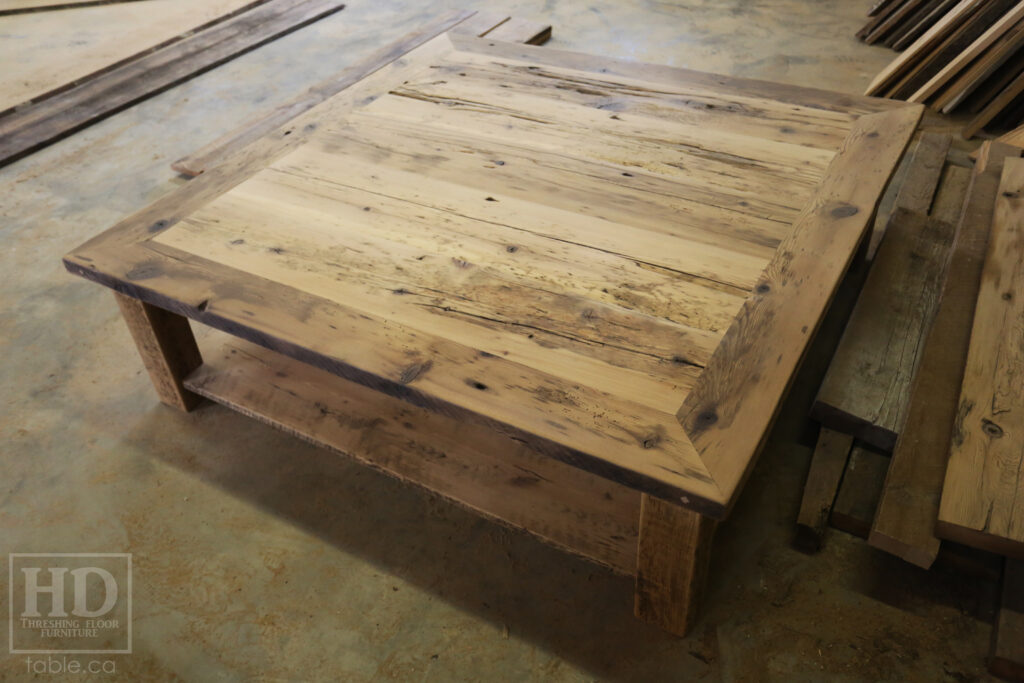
(479, 468)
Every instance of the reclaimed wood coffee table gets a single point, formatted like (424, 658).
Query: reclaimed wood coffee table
(566, 291)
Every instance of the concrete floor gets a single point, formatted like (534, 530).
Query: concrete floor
(259, 557)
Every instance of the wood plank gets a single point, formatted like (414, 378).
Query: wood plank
(9, 7)
(993, 108)
(860, 491)
(827, 466)
(1015, 137)
(486, 370)
(673, 557)
(957, 92)
(882, 13)
(910, 23)
(167, 347)
(922, 46)
(893, 21)
(880, 6)
(958, 40)
(1007, 657)
(94, 40)
(747, 377)
(905, 523)
(54, 118)
(268, 124)
(518, 30)
(865, 390)
(962, 60)
(491, 474)
(981, 503)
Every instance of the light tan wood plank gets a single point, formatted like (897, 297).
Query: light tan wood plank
(473, 466)
(982, 503)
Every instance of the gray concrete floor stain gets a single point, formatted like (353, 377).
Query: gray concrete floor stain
(259, 557)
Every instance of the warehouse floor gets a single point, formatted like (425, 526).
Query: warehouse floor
(257, 556)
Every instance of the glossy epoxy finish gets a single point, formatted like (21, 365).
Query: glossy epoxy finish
(258, 556)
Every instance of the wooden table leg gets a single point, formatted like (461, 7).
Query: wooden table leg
(672, 564)
(167, 347)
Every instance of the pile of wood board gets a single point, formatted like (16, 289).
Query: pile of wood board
(958, 56)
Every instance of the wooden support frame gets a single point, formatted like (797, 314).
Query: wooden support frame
(673, 556)
(167, 347)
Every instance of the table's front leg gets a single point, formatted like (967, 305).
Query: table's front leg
(672, 564)
(167, 347)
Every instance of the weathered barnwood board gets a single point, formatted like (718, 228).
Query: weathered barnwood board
(1007, 657)
(865, 390)
(982, 502)
(38, 124)
(471, 465)
(296, 113)
(44, 52)
(905, 522)
(559, 247)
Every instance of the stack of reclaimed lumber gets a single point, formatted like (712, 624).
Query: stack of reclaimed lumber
(958, 56)
(922, 407)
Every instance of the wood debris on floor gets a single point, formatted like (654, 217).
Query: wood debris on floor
(958, 57)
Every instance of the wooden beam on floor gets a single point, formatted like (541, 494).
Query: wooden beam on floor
(479, 23)
(40, 124)
(981, 503)
(827, 466)
(1007, 657)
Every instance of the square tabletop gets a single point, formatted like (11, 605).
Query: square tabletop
(619, 264)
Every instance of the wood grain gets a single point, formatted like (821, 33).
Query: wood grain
(981, 504)
(827, 466)
(9, 7)
(45, 122)
(905, 523)
(673, 556)
(491, 474)
(167, 347)
(866, 389)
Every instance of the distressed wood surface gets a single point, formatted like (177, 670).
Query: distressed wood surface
(673, 556)
(866, 389)
(1007, 657)
(36, 125)
(548, 244)
(905, 523)
(823, 479)
(476, 467)
(981, 502)
(9, 7)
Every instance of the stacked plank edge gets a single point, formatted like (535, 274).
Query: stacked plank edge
(958, 57)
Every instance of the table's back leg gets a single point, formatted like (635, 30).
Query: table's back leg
(167, 347)
(672, 564)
